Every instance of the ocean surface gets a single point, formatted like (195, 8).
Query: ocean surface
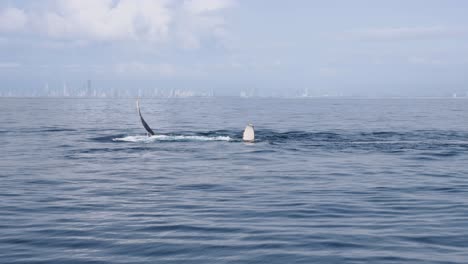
(327, 181)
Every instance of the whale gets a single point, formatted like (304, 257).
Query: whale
(145, 125)
(249, 133)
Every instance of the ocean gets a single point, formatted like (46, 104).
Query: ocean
(326, 181)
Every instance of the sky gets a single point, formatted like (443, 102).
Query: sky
(350, 48)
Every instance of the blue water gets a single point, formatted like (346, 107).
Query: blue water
(327, 181)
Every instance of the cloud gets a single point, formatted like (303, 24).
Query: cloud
(206, 6)
(153, 21)
(103, 20)
(12, 19)
(197, 20)
(406, 33)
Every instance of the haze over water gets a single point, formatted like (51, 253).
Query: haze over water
(327, 181)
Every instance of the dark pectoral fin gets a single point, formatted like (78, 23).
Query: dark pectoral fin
(145, 125)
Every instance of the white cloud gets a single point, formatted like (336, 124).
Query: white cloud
(399, 33)
(106, 20)
(198, 19)
(206, 6)
(12, 19)
(153, 21)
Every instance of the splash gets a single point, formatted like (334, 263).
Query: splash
(155, 138)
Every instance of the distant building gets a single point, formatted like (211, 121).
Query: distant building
(65, 89)
(249, 93)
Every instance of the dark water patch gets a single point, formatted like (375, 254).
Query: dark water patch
(190, 228)
(107, 138)
(206, 187)
(109, 150)
(423, 158)
(64, 146)
(263, 151)
(61, 232)
(455, 241)
(57, 129)
(390, 260)
(41, 130)
(441, 154)
(48, 182)
(5, 194)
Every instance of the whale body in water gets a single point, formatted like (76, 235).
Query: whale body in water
(249, 133)
(145, 125)
(248, 136)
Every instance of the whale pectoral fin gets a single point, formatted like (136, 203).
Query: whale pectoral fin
(249, 133)
(145, 125)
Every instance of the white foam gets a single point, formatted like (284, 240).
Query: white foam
(154, 138)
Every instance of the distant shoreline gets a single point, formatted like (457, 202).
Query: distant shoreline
(243, 98)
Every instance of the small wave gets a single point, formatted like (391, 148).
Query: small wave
(154, 138)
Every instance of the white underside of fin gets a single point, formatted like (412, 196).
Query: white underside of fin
(249, 133)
